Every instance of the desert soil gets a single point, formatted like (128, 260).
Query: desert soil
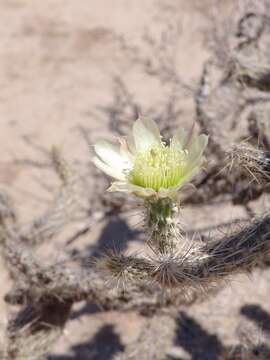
(59, 61)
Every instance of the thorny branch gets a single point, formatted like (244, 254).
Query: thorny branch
(233, 90)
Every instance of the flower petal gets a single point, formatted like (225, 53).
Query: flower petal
(196, 150)
(109, 153)
(146, 134)
(131, 188)
(125, 151)
(179, 139)
(131, 144)
(189, 175)
(109, 170)
(172, 192)
(168, 193)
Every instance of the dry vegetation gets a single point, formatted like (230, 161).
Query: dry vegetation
(232, 105)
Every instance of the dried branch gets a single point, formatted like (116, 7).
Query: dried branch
(63, 208)
(35, 329)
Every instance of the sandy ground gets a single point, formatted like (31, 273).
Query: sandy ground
(58, 63)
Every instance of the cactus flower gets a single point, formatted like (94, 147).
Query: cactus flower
(145, 166)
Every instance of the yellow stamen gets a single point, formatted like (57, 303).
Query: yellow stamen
(159, 167)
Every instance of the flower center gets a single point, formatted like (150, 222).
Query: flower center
(159, 167)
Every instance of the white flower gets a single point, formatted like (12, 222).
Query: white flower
(145, 166)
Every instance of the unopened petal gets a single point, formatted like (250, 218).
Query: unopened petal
(146, 134)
